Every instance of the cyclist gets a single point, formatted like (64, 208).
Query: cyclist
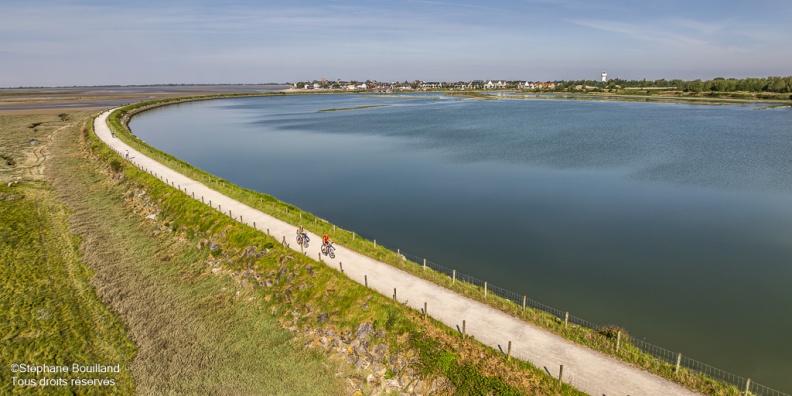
(325, 241)
(301, 235)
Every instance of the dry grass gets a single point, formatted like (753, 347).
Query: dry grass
(23, 144)
(49, 313)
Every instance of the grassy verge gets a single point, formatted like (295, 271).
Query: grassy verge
(603, 341)
(666, 96)
(49, 312)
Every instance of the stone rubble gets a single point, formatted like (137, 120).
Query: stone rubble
(375, 369)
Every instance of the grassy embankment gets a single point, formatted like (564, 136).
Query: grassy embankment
(300, 291)
(655, 95)
(603, 341)
(717, 95)
(50, 314)
(86, 298)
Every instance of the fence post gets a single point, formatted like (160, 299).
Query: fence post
(524, 298)
(353, 234)
(508, 352)
(334, 228)
(394, 294)
(424, 266)
(210, 203)
(561, 374)
(618, 340)
(365, 279)
(375, 243)
(747, 386)
(464, 334)
(202, 200)
(566, 320)
(320, 256)
(240, 219)
(485, 289)
(424, 310)
(453, 277)
(341, 266)
(679, 360)
(254, 226)
(220, 208)
(268, 231)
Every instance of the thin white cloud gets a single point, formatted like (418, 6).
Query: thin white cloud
(666, 38)
(701, 27)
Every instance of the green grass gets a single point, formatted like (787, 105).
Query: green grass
(49, 312)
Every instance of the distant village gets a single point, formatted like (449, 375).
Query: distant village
(377, 86)
(773, 87)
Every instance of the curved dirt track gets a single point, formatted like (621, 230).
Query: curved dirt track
(587, 370)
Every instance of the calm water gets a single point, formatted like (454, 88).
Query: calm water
(673, 221)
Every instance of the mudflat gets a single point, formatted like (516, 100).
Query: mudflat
(71, 99)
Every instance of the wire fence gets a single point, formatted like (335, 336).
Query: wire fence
(674, 358)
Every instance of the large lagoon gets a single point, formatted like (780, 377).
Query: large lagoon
(673, 221)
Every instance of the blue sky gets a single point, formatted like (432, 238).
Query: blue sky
(56, 43)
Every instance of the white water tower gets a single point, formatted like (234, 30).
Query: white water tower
(604, 77)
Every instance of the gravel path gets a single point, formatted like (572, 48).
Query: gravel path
(586, 369)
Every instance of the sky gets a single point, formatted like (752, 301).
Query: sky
(66, 43)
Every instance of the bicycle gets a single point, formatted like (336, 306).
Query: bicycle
(328, 250)
(302, 239)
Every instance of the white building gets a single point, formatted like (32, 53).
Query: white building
(604, 77)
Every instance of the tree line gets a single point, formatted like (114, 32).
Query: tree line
(718, 84)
